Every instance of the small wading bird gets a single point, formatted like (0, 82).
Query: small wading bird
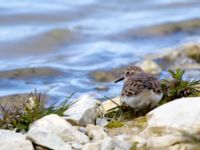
(140, 90)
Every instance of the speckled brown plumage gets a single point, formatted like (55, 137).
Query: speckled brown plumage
(140, 81)
(140, 89)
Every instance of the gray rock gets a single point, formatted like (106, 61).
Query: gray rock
(46, 138)
(10, 140)
(96, 132)
(83, 112)
(61, 128)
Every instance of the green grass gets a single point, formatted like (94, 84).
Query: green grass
(19, 118)
(177, 87)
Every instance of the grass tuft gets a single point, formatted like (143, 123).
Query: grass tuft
(33, 108)
(177, 87)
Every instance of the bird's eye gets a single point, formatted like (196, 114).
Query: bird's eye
(128, 73)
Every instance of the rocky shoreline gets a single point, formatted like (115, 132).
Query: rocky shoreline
(171, 126)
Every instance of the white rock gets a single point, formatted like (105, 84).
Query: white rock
(82, 129)
(122, 137)
(139, 140)
(46, 138)
(150, 66)
(122, 141)
(61, 127)
(101, 122)
(123, 145)
(10, 140)
(168, 123)
(181, 114)
(96, 132)
(107, 144)
(84, 111)
(75, 145)
(92, 146)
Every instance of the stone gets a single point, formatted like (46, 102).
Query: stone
(61, 128)
(123, 145)
(46, 138)
(37, 147)
(173, 123)
(107, 144)
(101, 122)
(96, 132)
(102, 88)
(149, 66)
(92, 146)
(82, 129)
(123, 141)
(138, 140)
(75, 145)
(10, 140)
(109, 104)
(193, 51)
(168, 115)
(84, 111)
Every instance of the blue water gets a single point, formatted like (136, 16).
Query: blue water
(54, 45)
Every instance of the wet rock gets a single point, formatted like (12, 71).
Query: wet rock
(168, 28)
(109, 104)
(46, 138)
(19, 101)
(83, 112)
(30, 72)
(61, 128)
(96, 132)
(149, 66)
(107, 76)
(173, 123)
(102, 88)
(10, 140)
(193, 51)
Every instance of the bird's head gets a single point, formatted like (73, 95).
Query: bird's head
(130, 72)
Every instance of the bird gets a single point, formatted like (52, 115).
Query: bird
(140, 90)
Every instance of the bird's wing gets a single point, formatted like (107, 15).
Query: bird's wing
(136, 84)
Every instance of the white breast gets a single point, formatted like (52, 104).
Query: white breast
(145, 98)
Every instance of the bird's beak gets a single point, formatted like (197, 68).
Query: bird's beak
(120, 79)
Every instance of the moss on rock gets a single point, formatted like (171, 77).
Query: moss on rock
(115, 124)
